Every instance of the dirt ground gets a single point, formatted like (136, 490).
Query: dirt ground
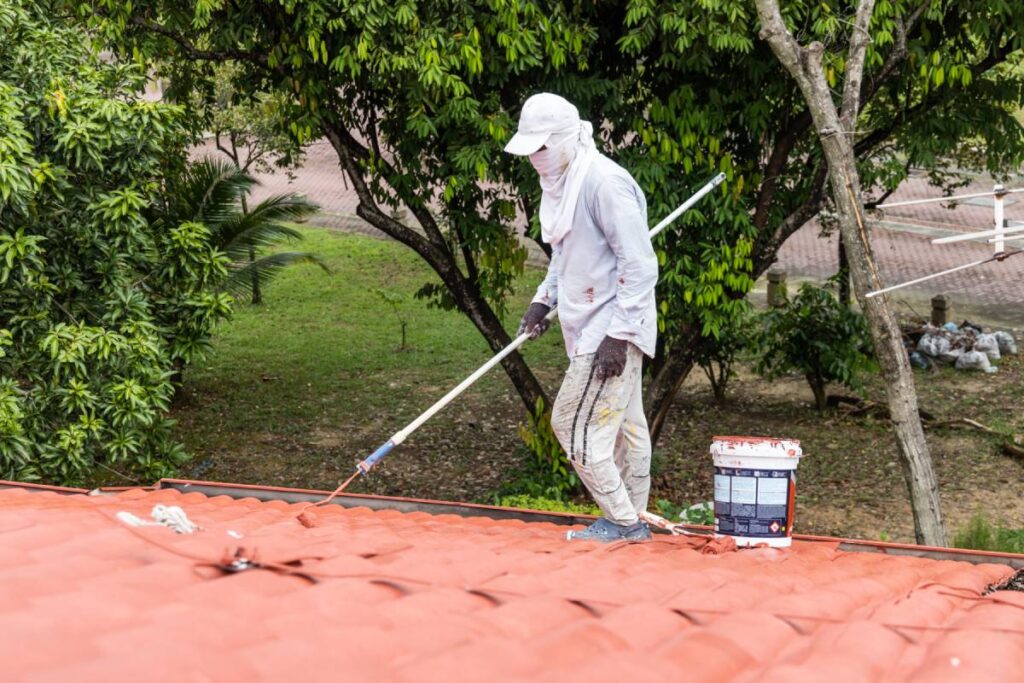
(849, 482)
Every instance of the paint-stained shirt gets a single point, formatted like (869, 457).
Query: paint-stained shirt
(602, 274)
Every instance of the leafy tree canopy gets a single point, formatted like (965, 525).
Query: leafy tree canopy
(418, 98)
(100, 297)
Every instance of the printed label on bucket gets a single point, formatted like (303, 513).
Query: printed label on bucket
(753, 502)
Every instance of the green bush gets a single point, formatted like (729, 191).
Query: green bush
(717, 356)
(548, 474)
(817, 336)
(100, 299)
(980, 534)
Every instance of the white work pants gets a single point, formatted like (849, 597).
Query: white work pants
(601, 426)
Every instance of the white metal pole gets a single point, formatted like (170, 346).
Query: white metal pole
(400, 436)
(997, 209)
(954, 199)
(966, 237)
(919, 280)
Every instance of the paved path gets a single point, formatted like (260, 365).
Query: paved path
(901, 238)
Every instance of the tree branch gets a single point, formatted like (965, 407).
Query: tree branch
(776, 164)
(764, 252)
(349, 152)
(194, 53)
(859, 41)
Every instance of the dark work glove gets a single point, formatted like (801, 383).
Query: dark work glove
(534, 321)
(610, 359)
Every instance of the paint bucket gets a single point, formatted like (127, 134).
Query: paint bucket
(755, 489)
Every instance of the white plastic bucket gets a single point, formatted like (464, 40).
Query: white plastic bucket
(755, 489)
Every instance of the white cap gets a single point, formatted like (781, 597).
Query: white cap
(543, 115)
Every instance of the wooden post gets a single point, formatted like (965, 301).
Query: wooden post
(776, 287)
(942, 310)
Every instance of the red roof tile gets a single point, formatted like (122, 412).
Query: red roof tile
(414, 596)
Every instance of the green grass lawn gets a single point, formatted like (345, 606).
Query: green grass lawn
(300, 387)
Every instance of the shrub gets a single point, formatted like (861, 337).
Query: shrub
(99, 301)
(980, 534)
(548, 474)
(717, 356)
(698, 513)
(817, 336)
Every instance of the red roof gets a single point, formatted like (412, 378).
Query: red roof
(415, 596)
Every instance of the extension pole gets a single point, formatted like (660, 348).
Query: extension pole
(926, 278)
(398, 437)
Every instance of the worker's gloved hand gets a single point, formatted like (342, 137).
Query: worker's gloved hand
(534, 322)
(610, 359)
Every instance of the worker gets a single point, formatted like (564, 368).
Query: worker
(601, 275)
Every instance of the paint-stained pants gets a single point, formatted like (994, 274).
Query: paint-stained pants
(601, 425)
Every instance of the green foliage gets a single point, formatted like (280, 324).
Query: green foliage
(528, 502)
(702, 514)
(101, 298)
(213, 192)
(420, 97)
(394, 301)
(248, 126)
(549, 474)
(817, 336)
(980, 534)
(717, 357)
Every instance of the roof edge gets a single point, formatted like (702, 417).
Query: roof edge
(441, 507)
(374, 502)
(402, 504)
(63, 490)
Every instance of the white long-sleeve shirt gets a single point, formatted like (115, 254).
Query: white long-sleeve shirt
(602, 274)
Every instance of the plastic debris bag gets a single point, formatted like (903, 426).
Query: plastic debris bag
(919, 360)
(974, 360)
(952, 356)
(1007, 344)
(933, 345)
(950, 327)
(987, 344)
(967, 325)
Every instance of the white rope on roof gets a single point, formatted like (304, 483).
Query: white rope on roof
(170, 516)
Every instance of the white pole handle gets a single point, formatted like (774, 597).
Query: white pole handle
(401, 435)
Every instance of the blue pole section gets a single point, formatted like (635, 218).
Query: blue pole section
(367, 465)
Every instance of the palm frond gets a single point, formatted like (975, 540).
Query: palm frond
(239, 282)
(261, 227)
(212, 191)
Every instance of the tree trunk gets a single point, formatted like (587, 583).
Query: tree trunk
(818, 389)
(666, 381)
(836, 132)
(843, 275)
(257, 297)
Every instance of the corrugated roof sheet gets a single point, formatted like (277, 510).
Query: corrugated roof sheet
(413, 596)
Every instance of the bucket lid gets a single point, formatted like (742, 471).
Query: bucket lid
(756, 446)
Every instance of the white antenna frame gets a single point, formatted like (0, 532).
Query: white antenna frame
(1000, 234)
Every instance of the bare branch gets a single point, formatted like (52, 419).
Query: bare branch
(776, 163)
(349, 152)
(859, 41)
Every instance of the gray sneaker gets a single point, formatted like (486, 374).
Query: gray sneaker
(605, 531)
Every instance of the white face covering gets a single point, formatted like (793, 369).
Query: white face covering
(562, 167)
